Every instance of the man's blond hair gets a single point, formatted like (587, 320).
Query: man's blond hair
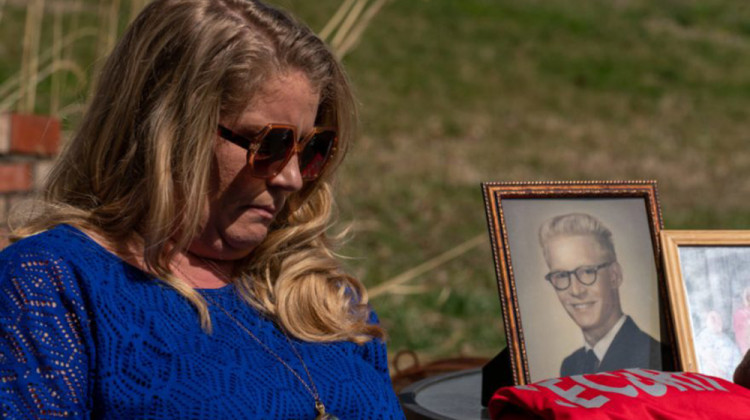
(576, 224)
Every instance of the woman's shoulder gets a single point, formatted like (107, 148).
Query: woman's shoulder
(60, 250)
(38, 276)
(58, 241)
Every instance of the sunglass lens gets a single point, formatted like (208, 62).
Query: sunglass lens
(314, 156)
(275, 148)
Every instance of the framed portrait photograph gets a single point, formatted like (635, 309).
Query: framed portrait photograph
(579, 276)
(708, 275)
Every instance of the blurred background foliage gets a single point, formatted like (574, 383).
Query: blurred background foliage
(456, 92)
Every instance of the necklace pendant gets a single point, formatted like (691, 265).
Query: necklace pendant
(322, 415)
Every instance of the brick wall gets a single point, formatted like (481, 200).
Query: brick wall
(28, 144)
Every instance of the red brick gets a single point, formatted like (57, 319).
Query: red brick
(29, 134)
(15, 177)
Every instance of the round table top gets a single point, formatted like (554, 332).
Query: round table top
(452, 396)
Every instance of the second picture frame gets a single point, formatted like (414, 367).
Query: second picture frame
(709, 288)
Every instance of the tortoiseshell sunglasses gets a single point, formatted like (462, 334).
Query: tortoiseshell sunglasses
(270, 149)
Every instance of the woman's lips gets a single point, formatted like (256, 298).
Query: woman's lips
(265, 212)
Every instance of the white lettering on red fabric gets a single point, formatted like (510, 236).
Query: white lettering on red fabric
(654, 383)
(572, 394)
(717, 386)
(627, 390)
(668, 379)
(655, 390)
(566, 404)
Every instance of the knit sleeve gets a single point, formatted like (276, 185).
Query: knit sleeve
(374, 352)
(45, 342)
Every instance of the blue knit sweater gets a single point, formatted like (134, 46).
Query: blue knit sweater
(86, 335)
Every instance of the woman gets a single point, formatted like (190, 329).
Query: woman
(178, 266)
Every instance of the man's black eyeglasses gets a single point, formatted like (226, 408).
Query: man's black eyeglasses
(586, 275)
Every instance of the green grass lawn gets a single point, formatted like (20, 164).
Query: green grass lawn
(456, 92)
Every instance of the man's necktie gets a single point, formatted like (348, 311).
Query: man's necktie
(590, 362)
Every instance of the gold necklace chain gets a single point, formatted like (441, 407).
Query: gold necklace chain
(311, 389)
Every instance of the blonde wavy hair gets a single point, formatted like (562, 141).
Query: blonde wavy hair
(137, 170)
(576, 224)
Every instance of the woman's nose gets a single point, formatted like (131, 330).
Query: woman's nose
(289, 178)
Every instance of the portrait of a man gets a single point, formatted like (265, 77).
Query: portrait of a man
(579, 280)
(586, 276)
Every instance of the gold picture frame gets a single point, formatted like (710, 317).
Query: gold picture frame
(700, 247)
(526, 298)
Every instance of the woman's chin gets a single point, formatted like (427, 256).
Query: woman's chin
(229, 241)
(242, 242)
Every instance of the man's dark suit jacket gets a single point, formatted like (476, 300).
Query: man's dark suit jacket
(631, 348)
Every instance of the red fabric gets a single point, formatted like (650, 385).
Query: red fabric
(624, 394)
